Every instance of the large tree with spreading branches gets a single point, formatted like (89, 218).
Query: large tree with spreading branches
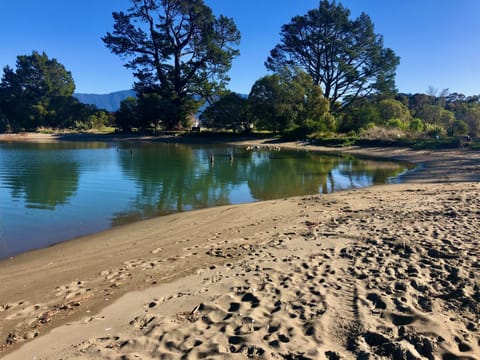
(342, 55)
(177, 49)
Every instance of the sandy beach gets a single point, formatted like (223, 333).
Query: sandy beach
(386, 272)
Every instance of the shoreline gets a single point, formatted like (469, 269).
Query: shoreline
(133, 142)
(462, 163)
(192, 253)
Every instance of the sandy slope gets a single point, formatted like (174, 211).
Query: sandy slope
(384, 272)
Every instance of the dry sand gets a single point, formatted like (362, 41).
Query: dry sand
(384, 272)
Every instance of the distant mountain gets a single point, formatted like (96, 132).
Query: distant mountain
(110, 102)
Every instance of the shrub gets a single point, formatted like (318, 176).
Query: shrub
(395, 124)
(460, 128)
(81, 125)
(416, 125)
(434, 131)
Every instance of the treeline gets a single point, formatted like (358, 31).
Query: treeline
(418, 114)
(38, 93)
(293, 113)
(328, 74)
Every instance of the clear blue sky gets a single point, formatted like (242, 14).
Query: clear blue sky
(437, 40)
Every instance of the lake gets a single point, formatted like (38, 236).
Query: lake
(51, 192)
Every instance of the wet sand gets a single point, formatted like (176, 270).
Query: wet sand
(385, 272)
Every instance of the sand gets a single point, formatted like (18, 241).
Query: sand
(389, 271)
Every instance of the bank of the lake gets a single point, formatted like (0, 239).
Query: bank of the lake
(372, 271)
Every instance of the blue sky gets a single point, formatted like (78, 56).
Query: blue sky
(437, 40)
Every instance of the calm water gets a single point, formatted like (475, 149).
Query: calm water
(54, 192)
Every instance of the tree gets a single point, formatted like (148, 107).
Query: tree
(345, 57)
(393, 109)
(465, 110)
(70, 113)
(230, 111)
(360, 114)
(416, 125)
(290, 98)
(306, 98)
(3, 120)
(458, 128)
(127, 116)
(151, 110)
(29, 93)
(266, 100)
(446, 119)
(98, 120)
(177, 49)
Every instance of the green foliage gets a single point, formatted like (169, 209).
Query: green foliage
(345, 57)
(393, 109)
(328, 123)
(467, 110)
(416, 125)
(446, 118)
(308, 102)
(434, 131)
(459, 128)
(395, 124)
(38, 94)
(177, 49)
(98, 120)
(430, 114)
(440, 143)
(228, 112)
(128, 116)
(149, 111)
(290, 100)
(334, 141)
(360, 115)
(267, 103)
(152, 109)
(29, 94)
(3, 122)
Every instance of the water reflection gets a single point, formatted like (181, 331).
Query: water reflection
(43, 176)
(174, 178)
(57, 191)
(276, 175)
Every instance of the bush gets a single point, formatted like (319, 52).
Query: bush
(329, 122)
(395, 124)
(416, 125)
(295, 133)
(98, 120)
(434, 131)
(459, 128)
(326, 124)
(81, 125)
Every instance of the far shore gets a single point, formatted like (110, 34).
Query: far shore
(444, 165)
(387, 271)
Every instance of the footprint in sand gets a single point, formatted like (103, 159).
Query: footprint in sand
(157, 250)
(73, 289)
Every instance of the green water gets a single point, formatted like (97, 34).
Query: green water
(58, 191)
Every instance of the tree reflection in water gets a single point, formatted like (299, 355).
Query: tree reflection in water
(173, 177)
(57, 191)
